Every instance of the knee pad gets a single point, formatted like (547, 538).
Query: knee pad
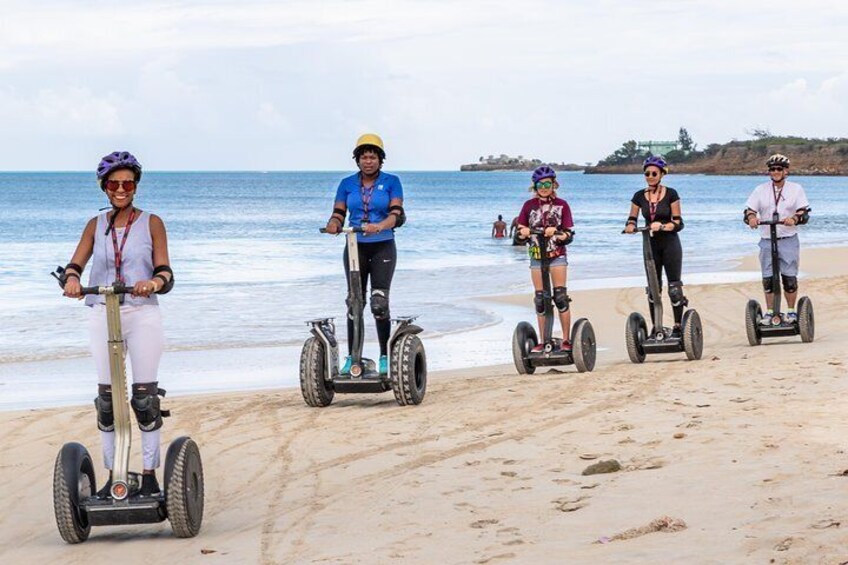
(103, 405)
(539, 302)
(768, 285)
(561, 298)
(790, 284)
(380, 303)
(675, 294)
(145, 404)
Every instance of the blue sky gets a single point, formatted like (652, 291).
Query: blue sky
(290, 85)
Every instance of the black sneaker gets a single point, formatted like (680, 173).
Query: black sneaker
(106, 491)
(149, 485)
(677, 332)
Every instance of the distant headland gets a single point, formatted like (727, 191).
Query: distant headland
(520, 163)
(809, 156)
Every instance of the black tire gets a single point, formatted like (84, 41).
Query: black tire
(583, 345)
(635, 333)
(753, 314)
(409, 370)
(523, 340)
(806, 320)
(316, 390)
(184, 487)
(73, 482)
(693, 335)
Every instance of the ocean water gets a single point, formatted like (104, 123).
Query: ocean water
(251, 266)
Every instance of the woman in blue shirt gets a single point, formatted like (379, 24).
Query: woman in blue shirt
(374, 200)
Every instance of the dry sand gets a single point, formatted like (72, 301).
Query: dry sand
(745, 447)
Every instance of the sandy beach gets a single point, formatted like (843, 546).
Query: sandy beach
(746, 447)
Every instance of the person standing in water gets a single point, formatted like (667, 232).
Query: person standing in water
(499, 228)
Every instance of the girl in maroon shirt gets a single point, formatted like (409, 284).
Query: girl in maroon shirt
(547, 212)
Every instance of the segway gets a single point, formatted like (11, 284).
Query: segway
(75, 504)
(639, 342)
(320, 377)
(524, 339)
(804, 325)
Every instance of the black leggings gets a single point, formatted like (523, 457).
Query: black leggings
(376, 260)
(668, 255)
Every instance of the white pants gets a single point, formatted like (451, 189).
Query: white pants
(145, 340)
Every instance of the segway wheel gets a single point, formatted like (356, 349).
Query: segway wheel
(635, 333)
(316, 390)
(753, 314)
(806, 321)
(693, 335)
(409, 370)
(73, 482)
(184, 487)
(523, 340)
(583, 345)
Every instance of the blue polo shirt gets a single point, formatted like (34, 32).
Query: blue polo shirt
(386, 188)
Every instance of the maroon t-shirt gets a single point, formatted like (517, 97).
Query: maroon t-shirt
(536, 214)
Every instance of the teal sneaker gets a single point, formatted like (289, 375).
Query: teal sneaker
(345, 370)
(384, 365)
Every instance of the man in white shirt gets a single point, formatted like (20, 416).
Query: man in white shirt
(790, 203)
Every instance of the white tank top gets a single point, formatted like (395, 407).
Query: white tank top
(136, 262)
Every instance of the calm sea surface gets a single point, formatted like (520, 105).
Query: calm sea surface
(251, 266)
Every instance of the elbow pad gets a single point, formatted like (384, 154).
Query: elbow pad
(169, 283)
(399, 213)
(630, 220)
(746, 214)
(802, 215)
(678, 223)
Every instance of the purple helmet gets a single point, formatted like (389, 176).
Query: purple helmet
(657, 162)
(115, 161)
(543, 172)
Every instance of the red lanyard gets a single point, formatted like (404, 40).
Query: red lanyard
(365, 196)
(119, 251)
(652, 206)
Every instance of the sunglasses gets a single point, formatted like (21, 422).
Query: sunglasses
(113, 185)
(651, 174)
(773, 169)
(546, 184)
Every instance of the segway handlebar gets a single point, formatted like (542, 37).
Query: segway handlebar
(534, 231)
(639, 230)
(114, 288)
(344, 230)
(775, 221)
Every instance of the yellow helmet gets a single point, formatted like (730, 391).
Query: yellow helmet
(369, 139)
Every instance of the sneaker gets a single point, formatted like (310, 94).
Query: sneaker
(106, 491)
(384, 365)
(677, 332)
(566, 346)
(790, 317)
(149, 485)
(345, 370)
(766, 319)
(538, 349)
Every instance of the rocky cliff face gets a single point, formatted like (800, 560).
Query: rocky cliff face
(739, 158)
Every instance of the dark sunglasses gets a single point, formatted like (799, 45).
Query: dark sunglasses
(773, 169)
(651, 174)
(113, 185)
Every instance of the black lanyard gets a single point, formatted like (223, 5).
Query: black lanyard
(778, 195)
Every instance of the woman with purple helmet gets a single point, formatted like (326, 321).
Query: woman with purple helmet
(553, 215)
(129, 245)
(660, 206)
